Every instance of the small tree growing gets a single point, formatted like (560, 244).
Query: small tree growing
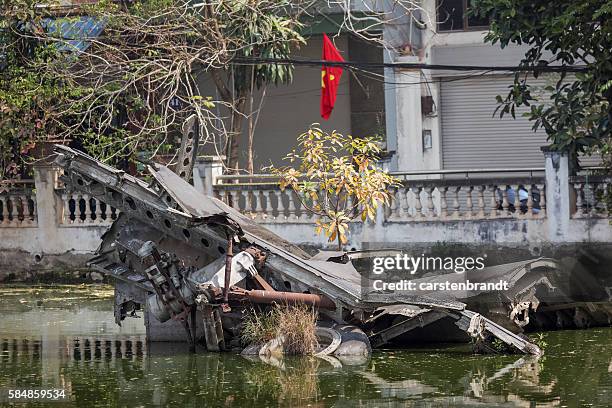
(336, 177)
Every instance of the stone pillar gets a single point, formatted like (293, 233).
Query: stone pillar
(409, 119)
(412, 153)
(205, 173)
(48, 208)
(557, 194)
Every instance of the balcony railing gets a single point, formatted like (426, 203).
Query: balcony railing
(18, 204)
(452, 195)
(81, 209)
(471, 199)
(592, 195)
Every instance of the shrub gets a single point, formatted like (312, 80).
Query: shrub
(296, 324)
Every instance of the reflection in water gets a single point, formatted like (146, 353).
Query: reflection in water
(71, 343)
(292, 382)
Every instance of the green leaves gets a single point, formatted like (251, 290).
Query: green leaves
(576, 116)
(29, 96)
(271, 31)
(137, 82)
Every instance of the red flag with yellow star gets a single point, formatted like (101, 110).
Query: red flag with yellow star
(330, 77)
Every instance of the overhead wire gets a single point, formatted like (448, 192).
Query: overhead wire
(362, 68)
(406, 65)
(381, 78)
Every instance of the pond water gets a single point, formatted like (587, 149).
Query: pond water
(64, 338)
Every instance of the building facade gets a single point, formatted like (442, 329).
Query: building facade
(430, 119)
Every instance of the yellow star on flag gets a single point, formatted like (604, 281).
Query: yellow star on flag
(323, 73)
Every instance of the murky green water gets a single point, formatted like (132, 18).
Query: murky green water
(65, 338)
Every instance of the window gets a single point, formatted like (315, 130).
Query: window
(453, 16)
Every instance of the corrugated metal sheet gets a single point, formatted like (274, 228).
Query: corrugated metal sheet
(473, 138)
(76, 30)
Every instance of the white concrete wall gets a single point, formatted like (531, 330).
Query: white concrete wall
(58, 240)
(451, 48)
(523, 233)
(69, 245)
(50, 244)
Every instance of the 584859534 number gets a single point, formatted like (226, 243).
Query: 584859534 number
(36, 394)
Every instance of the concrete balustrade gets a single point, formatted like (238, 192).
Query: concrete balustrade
(265, 202)
(449, 200)
(476, 206)
(592, 195)
(34, 217)
(18, 204)
(56, 226)
(413, 201)
(80, 209)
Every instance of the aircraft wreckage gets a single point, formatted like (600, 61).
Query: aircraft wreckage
(197, 266)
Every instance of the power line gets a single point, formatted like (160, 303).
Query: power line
(381, 78)
(395, 85)
(406, 65)
(360, 68)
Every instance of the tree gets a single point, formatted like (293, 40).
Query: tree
(124, 94)
(578, 116)
(271, 30)
(129, 90)
(29, 97)
(337, 178)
